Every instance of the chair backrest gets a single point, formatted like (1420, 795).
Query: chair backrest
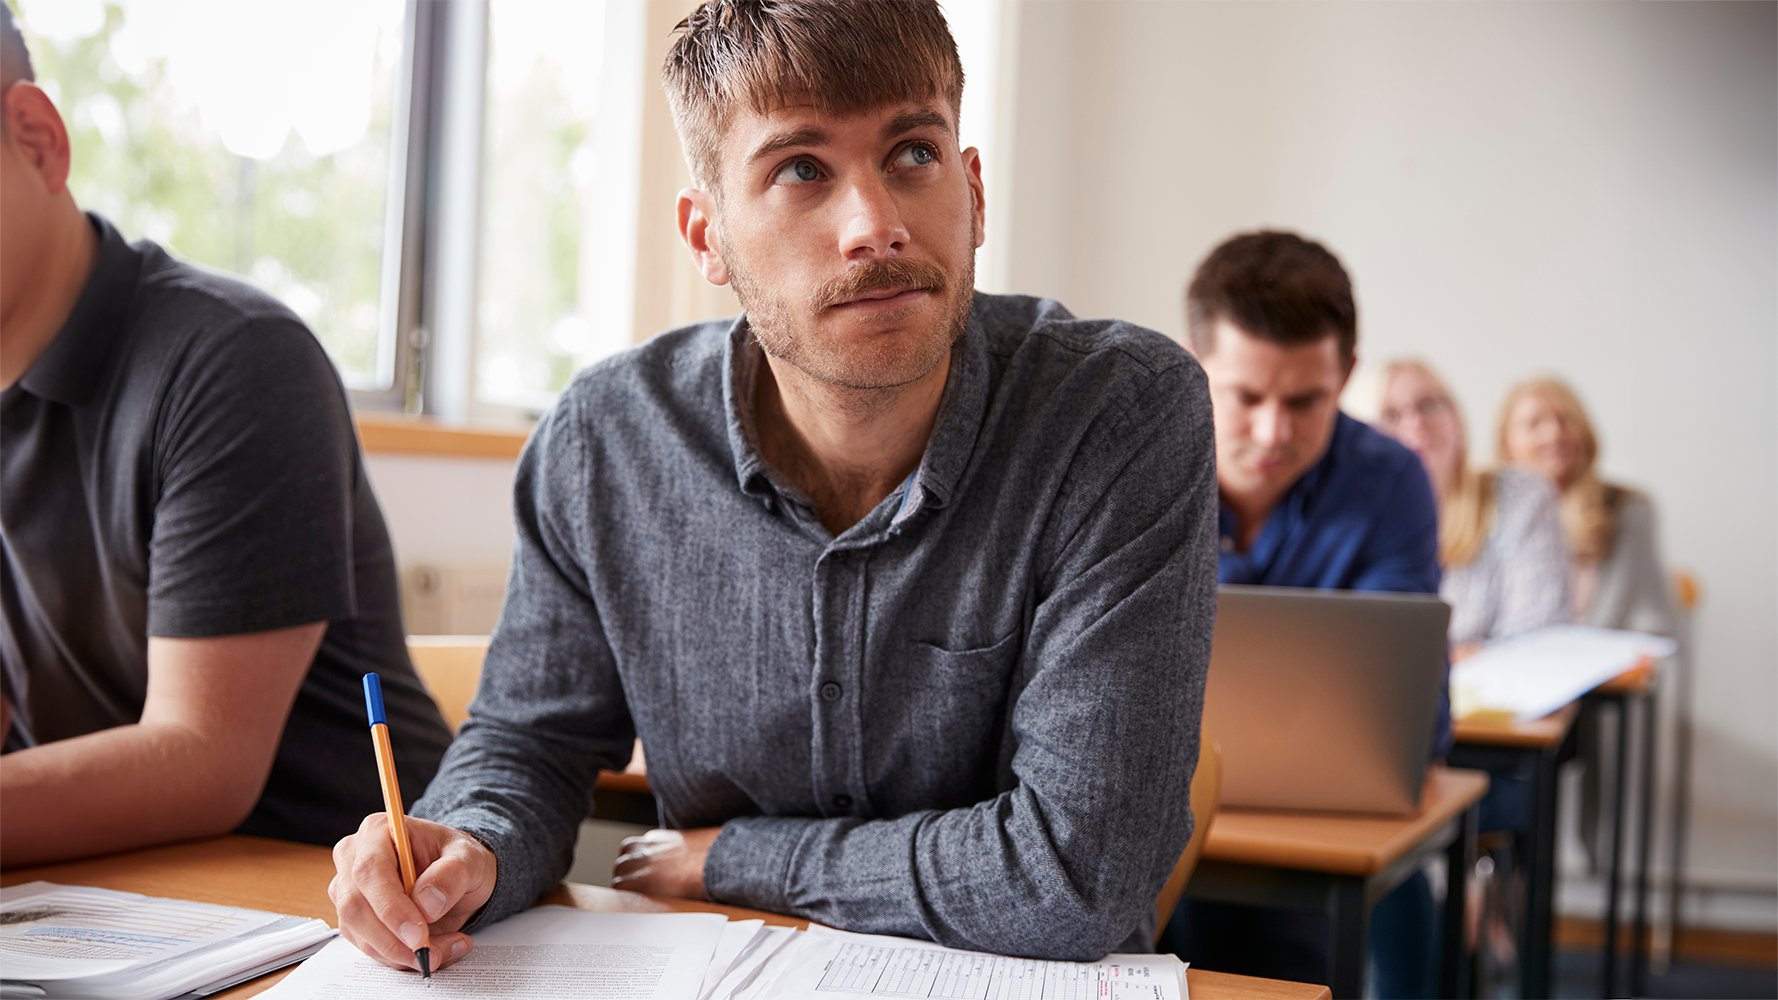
(1206, 796)
(1686, 591)
(450, 666)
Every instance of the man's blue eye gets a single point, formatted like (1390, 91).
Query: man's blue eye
(917, 155)
(797, 172)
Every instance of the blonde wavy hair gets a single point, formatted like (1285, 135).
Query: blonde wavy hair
(1589, 507)
(1466, 515)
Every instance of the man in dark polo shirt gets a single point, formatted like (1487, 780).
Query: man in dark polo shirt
(195, 574)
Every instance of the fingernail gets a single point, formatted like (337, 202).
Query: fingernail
(459, 948)
(432, 902)
(412, 935)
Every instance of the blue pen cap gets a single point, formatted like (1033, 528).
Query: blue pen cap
(373, 699)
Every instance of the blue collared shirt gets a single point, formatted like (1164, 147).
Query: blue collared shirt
(1362, 518)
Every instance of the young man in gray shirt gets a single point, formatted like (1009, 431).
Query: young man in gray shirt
(907, 590)
(194, 574)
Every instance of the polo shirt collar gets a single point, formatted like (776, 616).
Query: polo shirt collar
(75, 363)
(954, 431)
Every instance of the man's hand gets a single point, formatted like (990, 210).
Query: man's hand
(665, 862)
(455, 876)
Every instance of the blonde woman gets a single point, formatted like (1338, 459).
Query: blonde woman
(1618, 580)
(1500, 535)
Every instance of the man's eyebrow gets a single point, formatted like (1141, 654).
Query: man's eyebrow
(786, 140)
(907, 121)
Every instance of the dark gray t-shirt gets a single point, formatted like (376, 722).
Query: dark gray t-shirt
(181, 462)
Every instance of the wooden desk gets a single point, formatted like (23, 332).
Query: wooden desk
(1342, 865)
(292, 878)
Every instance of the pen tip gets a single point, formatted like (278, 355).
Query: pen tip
(425, 957)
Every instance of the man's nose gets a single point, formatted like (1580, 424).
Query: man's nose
(1272, 425)
(872, 225)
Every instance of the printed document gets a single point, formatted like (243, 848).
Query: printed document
(544, 953)
(1538, 672)
(825, 964)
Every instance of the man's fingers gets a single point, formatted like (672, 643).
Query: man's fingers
(360, 926)
(448, 948)
(376, 875)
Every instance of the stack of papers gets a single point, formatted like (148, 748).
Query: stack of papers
(1531, 675)
(97, 944)
(558, 953)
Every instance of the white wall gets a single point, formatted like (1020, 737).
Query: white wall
(1586, 189)
(444, 511)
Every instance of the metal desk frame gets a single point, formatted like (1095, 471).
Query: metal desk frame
(1347, 900)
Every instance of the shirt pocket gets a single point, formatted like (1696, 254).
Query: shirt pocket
(943, 717)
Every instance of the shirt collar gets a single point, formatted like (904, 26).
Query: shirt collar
(954, 430)
(75, 363)
(1292, 508)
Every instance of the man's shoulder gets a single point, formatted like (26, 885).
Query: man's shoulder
(180, 295)
(1016, 324)
(1366, 453)
(666, 367)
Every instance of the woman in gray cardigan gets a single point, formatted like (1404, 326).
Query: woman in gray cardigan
(1618, 580)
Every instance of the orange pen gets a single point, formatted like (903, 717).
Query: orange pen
(404, 851)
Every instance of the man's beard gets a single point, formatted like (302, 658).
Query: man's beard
(786, 333)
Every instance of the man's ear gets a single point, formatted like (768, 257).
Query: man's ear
(972, 170)
(1351, 363)
(35, 130)
(697, 227)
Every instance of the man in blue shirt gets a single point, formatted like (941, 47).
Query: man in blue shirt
(1309, 498)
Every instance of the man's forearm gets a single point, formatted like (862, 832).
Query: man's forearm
(117, 789)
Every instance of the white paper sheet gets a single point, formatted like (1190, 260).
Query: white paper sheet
(749, 963)
(545, 953)
(829, 965)
(737, 937)
(1534, 674)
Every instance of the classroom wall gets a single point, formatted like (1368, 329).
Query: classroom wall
(1585, 189)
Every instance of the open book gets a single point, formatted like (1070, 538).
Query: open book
(97, 944)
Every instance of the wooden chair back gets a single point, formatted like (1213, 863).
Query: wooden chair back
(1206, 795)
(1686, 590)
(450, 666)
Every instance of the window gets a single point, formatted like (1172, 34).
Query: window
(538, 193)
(465, 200)
(213, 129)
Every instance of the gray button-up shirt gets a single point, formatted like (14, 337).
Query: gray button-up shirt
(971, 717)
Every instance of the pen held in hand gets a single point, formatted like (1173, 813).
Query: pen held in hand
(404, 852)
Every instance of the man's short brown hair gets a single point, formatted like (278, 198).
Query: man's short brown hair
(1275, 286)
(842, 56)
(15, 59)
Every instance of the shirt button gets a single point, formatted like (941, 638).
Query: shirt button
(830, 691)
(842, 801)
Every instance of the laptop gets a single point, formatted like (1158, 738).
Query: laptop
(1325, 699)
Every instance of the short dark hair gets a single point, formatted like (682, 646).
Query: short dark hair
(15, 59)
(842, 56)
(1275, 286)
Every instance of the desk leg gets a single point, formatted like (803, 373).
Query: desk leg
(1457, 964)
(1539, 857)
(1620, 774)
(1350, 915)
(1651, 724)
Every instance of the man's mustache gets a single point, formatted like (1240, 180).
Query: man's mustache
(877, 276)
